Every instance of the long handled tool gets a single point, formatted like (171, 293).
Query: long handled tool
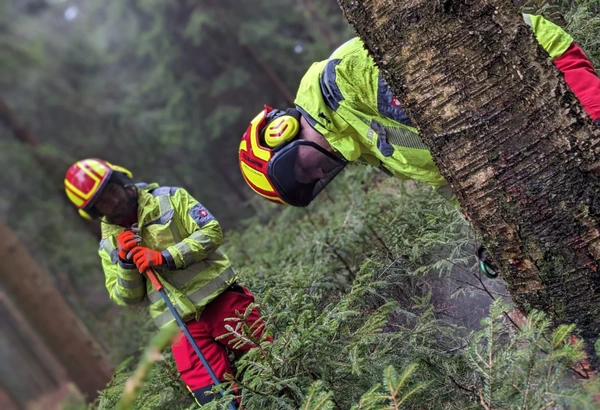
(161, 290)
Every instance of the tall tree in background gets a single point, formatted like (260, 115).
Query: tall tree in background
(164, 87)
(508, 135)
(186, 76)
(37, 298)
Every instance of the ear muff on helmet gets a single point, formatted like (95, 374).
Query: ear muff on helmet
(283, 127)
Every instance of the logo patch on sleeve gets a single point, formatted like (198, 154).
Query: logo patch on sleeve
(200, 215)
(389, 105)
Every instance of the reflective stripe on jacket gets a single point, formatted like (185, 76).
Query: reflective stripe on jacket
(173, 222)
(348, 101)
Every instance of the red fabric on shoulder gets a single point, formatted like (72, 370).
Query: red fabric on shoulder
(582, 79)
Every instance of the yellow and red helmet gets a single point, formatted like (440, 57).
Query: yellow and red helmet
(86, 179)
(272, 164)
(256, 149)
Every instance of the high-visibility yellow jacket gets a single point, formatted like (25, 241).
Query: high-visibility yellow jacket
(173, 222)
(347, 100)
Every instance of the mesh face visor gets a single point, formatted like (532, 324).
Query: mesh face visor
(300, 170)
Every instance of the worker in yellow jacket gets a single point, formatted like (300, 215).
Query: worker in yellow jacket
(345, 112)
(146, 226)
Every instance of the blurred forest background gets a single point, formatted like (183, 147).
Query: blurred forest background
(166, 88)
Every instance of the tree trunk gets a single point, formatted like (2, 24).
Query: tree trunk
(230, 27)
(6, 401)
(28, 370)
(508, 135)
(20, 132)
(52, 318)
(314, 17)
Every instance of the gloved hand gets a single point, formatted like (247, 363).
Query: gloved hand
(126, 241)
(146, 258)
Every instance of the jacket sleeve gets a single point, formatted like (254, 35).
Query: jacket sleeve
(204, 232)
(582, 79)
(125, 285)
(570, 59)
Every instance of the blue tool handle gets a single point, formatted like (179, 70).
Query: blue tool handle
(160, 289)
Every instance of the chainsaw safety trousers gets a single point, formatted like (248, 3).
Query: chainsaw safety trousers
(205, 331)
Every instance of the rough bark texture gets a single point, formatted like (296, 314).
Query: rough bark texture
(505, 131)
(51, 317)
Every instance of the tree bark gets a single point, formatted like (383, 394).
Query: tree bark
(52, 318)
(508, 135)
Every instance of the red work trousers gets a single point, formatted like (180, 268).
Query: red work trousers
(205, 332)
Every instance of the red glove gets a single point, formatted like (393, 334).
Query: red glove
(126, 241)
(146, 258)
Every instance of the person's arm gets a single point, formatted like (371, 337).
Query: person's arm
(582, 79)
(570, 59)
(125, 285)
(205, 234)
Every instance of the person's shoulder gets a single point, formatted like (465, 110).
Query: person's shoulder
(178, 194)
(352, 60)
(166, 190)
(351, 48)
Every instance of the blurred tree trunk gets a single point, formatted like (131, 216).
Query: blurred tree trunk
(313, 15)
(508, 135)
(20, 132)
(265, 68)
(54, 171)
(51, 317)
(28, 371)
(6, 401)
(286, 93)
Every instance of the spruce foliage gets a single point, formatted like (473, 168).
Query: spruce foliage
(370, 295)
(357, 317)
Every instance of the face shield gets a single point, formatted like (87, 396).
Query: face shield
(301, 169)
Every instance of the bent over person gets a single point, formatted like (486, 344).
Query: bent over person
(345, 112)
(164, 228)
